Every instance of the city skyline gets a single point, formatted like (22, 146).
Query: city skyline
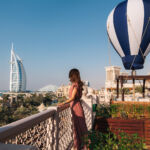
(55, 36)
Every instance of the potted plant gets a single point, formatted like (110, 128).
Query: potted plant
(129, 117)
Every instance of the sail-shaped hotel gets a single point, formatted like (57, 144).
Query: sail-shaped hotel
(17, 73)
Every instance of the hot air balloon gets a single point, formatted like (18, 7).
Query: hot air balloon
(128, 28)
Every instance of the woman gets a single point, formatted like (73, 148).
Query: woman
(75, 94)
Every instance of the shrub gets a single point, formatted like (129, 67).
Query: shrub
(103, 111)
(109, 141)
(124, 110)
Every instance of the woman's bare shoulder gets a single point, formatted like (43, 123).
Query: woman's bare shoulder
(75, 84)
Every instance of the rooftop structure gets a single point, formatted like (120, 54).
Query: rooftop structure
(112, 73)
(17, 73)
(48, 88)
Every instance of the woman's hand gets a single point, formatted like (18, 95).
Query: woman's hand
(60, 104)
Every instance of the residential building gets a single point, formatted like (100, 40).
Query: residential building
(63, 91)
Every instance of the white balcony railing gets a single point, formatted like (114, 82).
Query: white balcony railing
(48, 130)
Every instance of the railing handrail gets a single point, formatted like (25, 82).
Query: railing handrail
(63, 107)
(17, 127)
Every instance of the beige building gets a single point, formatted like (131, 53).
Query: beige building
(112, 72)
(63, 91)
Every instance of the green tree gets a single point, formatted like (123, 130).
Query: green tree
(62, 99)
(139, 89)
(23, 112)
(5, 97)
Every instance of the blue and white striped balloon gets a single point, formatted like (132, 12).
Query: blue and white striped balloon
(128, 28)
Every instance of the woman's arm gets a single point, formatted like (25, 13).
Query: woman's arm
(74, 92)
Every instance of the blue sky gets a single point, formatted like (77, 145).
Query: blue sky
(53, 36)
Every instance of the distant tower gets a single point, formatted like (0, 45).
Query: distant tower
(112, 73)
(17, 74)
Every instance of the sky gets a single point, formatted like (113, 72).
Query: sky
(54, 36)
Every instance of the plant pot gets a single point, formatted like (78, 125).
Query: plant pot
(130, 126)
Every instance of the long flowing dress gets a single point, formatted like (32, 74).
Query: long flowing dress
(79, 124)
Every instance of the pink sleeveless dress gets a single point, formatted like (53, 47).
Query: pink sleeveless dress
(79, 124)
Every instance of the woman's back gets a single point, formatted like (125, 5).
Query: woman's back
(79, 90)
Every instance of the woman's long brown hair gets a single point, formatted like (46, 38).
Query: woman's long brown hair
(74, 76)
